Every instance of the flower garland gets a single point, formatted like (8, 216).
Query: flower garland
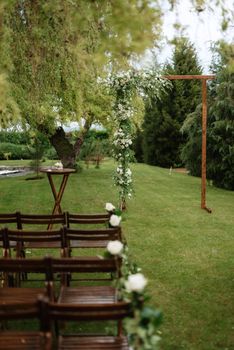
(142, 328)
(125, 85)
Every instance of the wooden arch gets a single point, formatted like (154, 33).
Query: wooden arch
(203, 79)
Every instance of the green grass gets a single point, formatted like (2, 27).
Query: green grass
(186, 253)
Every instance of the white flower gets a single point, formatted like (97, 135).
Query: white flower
(115, 220)
(109, 207)
(58, 165)
(128, 172)
(136, 282)
(114, 247)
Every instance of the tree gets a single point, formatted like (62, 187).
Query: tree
(64, 48)
(162, 138)
(220, 131)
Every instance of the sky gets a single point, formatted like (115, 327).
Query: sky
(202, 28)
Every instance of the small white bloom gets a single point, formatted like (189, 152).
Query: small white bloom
(58, 165)
(109, 207)
(114, 247)
(136, 283)
(128, 172)
(115, 220)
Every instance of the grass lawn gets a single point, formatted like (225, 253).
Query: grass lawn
(186, 253)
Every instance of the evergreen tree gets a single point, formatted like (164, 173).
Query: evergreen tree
(220, 124)
(162, 138)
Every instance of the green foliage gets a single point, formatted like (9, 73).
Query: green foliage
(16, 151)
(16, 137)
(63, 48)
(162, 138)
(96, 144)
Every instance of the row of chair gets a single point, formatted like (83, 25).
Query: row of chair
(66, 219)
(82, 302)
(50, 312)
(64, 238)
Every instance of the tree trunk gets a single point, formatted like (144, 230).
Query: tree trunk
(67, 152)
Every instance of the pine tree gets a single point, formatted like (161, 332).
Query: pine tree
(162, 139)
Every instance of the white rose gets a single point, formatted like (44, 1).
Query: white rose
(58, 165)
(136, 283)
(115, 247)
(109, 207)
(115, 220)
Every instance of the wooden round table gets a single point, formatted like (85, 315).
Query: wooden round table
(57, 195)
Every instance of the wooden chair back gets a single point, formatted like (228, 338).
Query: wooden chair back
(85, 312)
(10, 266)
(91, 238)
(41, 219)
(54, 312)
(89, 219)
(84, 265)
(33, 239)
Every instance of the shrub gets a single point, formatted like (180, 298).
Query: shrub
(15, 151)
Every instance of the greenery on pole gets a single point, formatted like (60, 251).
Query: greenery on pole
(125, 87)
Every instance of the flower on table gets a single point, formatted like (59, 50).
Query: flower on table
(115, 220)
(58, 165)
(115, 247)
(136, 283)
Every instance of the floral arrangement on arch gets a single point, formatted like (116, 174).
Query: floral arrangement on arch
(142, 328)
(125, 85)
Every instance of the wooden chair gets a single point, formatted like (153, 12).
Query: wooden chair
(92, 312)
(34, 240)
(17, 295)
(23, 340)
(86, 294)
(91, 238)
(87, 219)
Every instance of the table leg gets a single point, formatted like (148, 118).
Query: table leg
(57, 196)
(54, 192)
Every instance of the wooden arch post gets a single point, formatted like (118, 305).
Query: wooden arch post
(204, 79)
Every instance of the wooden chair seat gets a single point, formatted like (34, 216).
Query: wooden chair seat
(10, 340)
(93, 343)
(19, 295)
(88, 295)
